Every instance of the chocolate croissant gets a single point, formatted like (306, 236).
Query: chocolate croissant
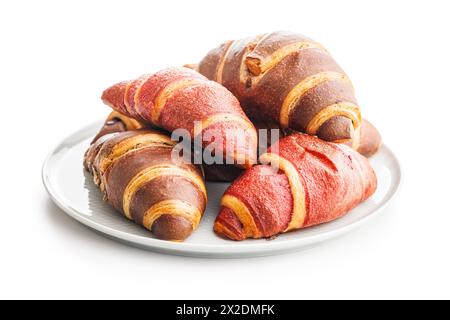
(139, 177)
(308, 182)
(180, 98)
(287, 78)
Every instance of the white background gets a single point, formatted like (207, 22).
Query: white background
(57, 57)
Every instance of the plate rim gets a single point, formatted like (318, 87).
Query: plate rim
(203, 250)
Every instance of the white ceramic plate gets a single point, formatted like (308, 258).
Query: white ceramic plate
(72, 189)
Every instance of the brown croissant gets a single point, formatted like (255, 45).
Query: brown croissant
(180, 98)
(315, 182)
(286, 78)
(139, 178)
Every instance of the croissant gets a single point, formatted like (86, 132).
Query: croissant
(139, 178)
(286, 78)
(309, 182)
(181, 98)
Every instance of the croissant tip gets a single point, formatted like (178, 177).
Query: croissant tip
(223, 232)
(227, 225)
(193, 66)
(337, 128)
(173, 228)
(114, 96)
(370, 141)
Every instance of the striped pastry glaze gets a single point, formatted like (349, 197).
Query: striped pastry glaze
(129, 123)
(136, 173)
(117, 122)
(177, 98)
(317, 182)
(289, 79)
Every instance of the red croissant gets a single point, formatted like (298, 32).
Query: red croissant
(317, 182)
(181, 98)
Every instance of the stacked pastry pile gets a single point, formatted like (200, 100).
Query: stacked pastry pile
(316, 172)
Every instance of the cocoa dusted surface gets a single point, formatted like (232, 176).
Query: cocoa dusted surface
(318, 98)
(120, 173)
(165, 188)
(337, 128)
(170, 227)
(370, 139)
(124, 167)
(231, 75)
(208, 66)
(274, 86)
(262, 95)
(275, 41)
